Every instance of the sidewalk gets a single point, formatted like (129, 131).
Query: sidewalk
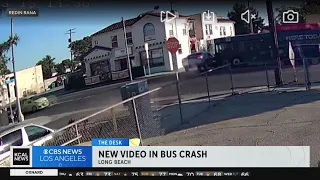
(283, 117)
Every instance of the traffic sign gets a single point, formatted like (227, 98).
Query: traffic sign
(172, 45)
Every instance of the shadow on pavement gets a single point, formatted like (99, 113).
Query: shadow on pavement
(233, 107)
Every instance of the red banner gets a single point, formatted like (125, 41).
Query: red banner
(298, 26)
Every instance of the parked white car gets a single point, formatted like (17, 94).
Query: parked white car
(21, 134)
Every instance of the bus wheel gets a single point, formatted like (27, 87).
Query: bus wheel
(236, 62)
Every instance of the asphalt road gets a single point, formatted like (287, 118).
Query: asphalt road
(192, 85)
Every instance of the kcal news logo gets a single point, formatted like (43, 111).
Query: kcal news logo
(20, 156)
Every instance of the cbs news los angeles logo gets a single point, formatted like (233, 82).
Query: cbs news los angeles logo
(20, 156)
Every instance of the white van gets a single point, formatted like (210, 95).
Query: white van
(21, 134)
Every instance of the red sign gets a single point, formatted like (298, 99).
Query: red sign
(172, 45)
(298, 26)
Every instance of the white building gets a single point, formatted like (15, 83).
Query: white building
(206, 30)
(108, 57)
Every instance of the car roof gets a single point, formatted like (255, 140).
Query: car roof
(197, 53)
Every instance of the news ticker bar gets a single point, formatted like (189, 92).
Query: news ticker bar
(156, 172)
(22, 12)
(57, 172)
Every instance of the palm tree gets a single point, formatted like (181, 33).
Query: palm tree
(48, 65)
(4, 48)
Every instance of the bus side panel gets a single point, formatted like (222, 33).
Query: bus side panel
(307, 40)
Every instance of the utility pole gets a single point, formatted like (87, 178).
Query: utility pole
(127, 49)
(250, 12)
(70, 32)
(275, 45)
(20, 115)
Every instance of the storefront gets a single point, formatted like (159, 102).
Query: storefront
(98, 65)
(101, 69)
(156, 60)
(120, 69)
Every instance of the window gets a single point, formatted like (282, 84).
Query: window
(209, 29)
(180, 49)
(114, 41)
(29, 102)
(129, 37)
(223, 31)
(121, 64)
(149, 32)
(96, 42)
(36, 132)
(226, 47)
(170, 32)
(155, 58)
(191, 26)
(184, 30)
(11, 139)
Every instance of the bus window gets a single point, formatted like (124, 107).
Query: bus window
(220, 47)
(241, 47)
(217, 48)
(229, 46)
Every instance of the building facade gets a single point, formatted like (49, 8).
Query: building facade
(145, 28)
(208, 29)
(30, 82)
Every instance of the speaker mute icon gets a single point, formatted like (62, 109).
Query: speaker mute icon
(247, 16)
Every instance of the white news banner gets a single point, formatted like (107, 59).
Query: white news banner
(201, 156)
(33, 172)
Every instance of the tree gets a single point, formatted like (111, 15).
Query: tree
(48, 65)
(306, 8)
(241, 27)
(310, 7)
(4, 48)
(66, 63)
(60, 68)
(80, 47)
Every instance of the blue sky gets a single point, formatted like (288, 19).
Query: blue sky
(45, 35)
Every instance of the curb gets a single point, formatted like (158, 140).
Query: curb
(113, 86)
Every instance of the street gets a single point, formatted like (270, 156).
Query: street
(83, 103)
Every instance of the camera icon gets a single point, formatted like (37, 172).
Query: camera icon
(290, 16)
